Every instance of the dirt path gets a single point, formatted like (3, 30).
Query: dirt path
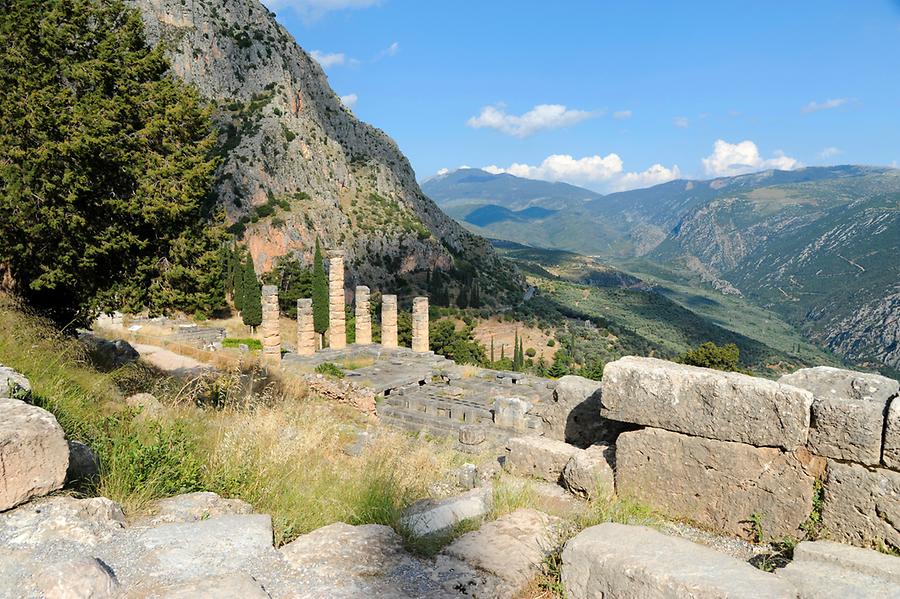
(169, 361)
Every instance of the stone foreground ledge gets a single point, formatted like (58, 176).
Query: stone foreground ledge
(726, 406)
(717, 484)
(616, 560)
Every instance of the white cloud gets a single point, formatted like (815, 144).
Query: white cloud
(314, 9)
(621, 115)
(826, 105)
(389, 51)
(730, 159)
(830, 152)
(335, 59)
(542, 116)
(681, 121)
(442, 171)
(349, 100)
(598, 172)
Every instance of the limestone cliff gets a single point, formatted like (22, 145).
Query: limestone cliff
(297, 164)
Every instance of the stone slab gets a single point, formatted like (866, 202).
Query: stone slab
(855, 559)
(428, 517)
(632, 562)
(862, 505)
(717, 484)
(589, 473)
(847, 413)
(726, 406)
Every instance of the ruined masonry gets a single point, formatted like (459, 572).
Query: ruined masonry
(271, 334)
(420, 324)
(389, 321)
(363, 316)
(306, 331)
(337, 325)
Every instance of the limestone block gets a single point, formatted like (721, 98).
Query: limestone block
(509, 412)
(471, 434)
(589, 473)
(363, 316)
(77, 578)
(862, 561)
(306, 330)
(420, 324)
(574, 414)
(726, 406)
(538, 457)
(630, 562)
(428, 517)
(34, 455)
(891, 454)
(862, 505)
(368, 550)
(389, 321)
(847, 413)
(829, 570)
(85, 522)
(717, 484)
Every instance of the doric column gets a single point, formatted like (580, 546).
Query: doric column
(389, 320)
(306, 330)
(420, 324)
(271, 334)
(363, 316)
(337, 319)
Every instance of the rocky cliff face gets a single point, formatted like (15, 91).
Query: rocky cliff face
(298, 165)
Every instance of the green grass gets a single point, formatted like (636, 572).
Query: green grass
(236, 342)
(331, 370)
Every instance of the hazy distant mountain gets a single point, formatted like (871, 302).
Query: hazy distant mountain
(818, 245)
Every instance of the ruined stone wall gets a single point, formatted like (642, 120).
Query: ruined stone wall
(736, 453)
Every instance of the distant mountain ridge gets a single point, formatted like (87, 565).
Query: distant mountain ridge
(818, 245)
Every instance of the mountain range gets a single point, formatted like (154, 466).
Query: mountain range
(819, 246)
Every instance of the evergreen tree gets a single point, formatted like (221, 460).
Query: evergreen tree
(319, 292)
(105, 166)
(251, 313)
(558, 369)
(475, 297)
(492, 349)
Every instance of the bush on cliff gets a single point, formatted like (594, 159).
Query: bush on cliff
(710, 355)
(105, 166)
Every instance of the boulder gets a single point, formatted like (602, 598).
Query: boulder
(891, 454)
(847, 413)
(589, 473)
(368, 550)
(828, 570)
(227, 586)
(538, 457)
(192, 507)
(718, 484)
(108, 354)
(862, 505)
(84, 465)
(83, 522)
(574, 414)
(13, 384)
(511, 548)
(79, 578)
(433, 516)
(616, 560)
(726, 406)
(34, 455)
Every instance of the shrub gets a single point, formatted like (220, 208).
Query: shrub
(329, 369)
(710, 355)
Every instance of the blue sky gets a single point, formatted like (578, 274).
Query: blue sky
(613, 95)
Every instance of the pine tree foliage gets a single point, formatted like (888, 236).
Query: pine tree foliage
(251, 310)
(105, 166)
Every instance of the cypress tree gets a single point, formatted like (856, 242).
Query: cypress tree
(319, 292)
(492, 349)
(252, 309)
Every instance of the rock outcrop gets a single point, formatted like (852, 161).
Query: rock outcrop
(297, 164)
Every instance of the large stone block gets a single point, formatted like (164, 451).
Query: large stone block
(632, 562)
(848, 411)
(828, 570)
(538, 457)
(727, 406)
(862, 505)
(589, 473)
(574, 414)
(34, 455)
(717, 484)
(891, 452)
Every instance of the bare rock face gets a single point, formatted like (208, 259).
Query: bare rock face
(718, 484)
(615, 560)
(538, 457)
(193, 507)
(79, 578)
(726, 406)
(589, 473)
(82, 522)
(847, 413)
(34, 454)
(289, 140)
(862, 505)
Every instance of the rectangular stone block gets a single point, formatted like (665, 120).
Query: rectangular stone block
(891, 452)
(848, 411)
(717, 484)
(862, 505)
(726, 406)
(538, 457)
(617, 561)
(509, 412)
